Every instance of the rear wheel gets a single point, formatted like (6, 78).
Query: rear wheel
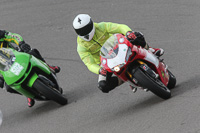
(49, 92)
(153, 84)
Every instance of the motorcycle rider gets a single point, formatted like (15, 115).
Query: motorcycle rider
(6, 38)
(91, 37)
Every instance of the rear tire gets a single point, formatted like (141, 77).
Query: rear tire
(154, 85)
(172, 80)
(49, 92)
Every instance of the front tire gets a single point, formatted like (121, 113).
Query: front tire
(49, 92)
(154, 85)
(172, 80)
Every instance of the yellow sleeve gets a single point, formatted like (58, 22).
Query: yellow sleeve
(88, 60)
(114, 28)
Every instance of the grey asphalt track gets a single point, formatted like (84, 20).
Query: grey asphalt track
(46, 25)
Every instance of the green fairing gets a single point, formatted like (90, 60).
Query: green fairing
(15, 77)
(23, 60)
(32, 80)
(40, 64)
(19, 89)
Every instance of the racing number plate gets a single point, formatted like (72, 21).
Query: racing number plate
(16, 68)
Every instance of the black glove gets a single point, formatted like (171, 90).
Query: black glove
(136, 38)
(103, 71)
(24, 47)
(130, 36)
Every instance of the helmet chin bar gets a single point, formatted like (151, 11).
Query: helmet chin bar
(86, 39)
(89, 36)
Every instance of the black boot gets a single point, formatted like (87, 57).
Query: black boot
(1, 82)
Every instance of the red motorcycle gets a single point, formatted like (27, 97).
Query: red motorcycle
(136, 65)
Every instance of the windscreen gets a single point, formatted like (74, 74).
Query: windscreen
(6, 59)
(110, 48)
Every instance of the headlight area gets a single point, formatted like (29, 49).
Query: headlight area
(117, 68)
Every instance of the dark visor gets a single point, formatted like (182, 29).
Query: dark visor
(85, 30)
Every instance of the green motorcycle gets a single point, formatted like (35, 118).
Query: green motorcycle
(29, 76)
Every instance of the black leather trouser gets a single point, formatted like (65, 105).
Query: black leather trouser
(108, 82)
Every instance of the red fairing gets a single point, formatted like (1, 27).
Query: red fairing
(119, 52)
(105, 64)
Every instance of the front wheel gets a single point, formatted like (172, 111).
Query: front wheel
(154, 85)
(172, 80)
(49, 92)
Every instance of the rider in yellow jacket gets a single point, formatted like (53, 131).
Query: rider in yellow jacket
(91, 37)
(89, 50)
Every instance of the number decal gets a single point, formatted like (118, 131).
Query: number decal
(16, 68)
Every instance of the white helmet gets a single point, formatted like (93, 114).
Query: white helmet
(84, 27)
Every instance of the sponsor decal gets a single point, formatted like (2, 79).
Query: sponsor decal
(16, 68)
(163, 74)
(145, 67)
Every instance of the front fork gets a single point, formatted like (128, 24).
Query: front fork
(133, 82)
(45, 80)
